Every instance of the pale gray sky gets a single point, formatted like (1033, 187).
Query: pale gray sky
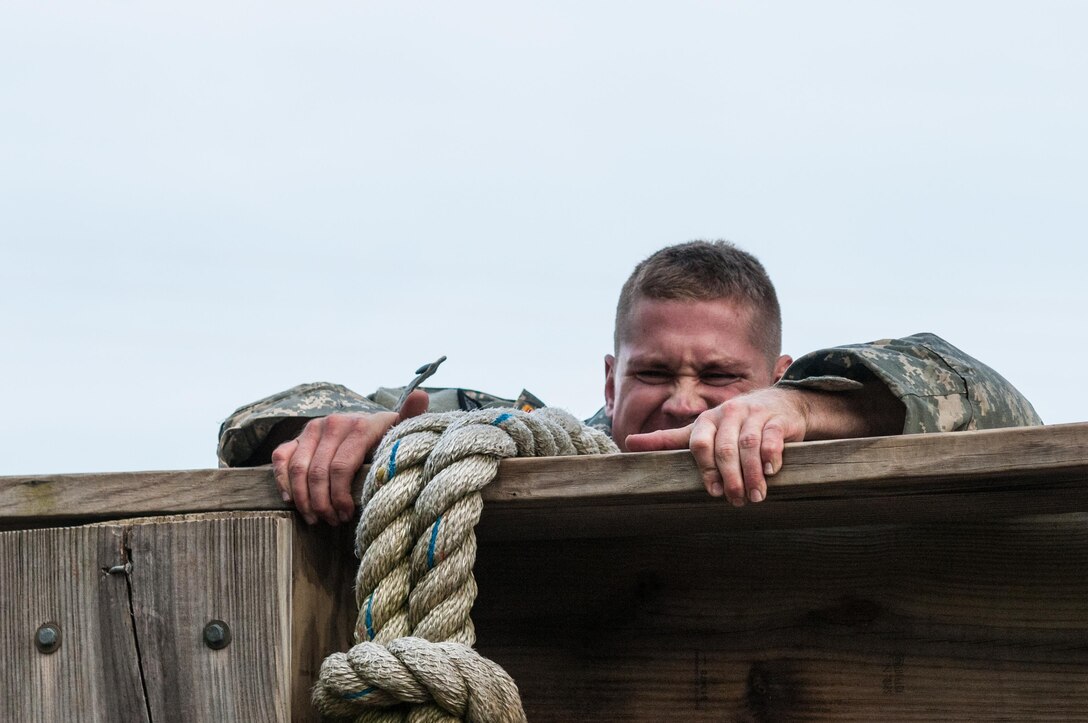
(204, 203)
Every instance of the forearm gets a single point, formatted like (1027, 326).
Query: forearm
(872, 411)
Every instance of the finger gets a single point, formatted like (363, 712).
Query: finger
(727, 457)
(298, 468)
(774, 442)
(342, 470)
(750, 445)
(661, 439)
(319, 481)
(281, 456)
(703, 432)
(349, 459)
(415, 405)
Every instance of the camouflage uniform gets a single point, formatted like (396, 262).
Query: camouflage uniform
(248, 436)
(943, 390)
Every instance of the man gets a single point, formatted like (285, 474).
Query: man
(697, 363)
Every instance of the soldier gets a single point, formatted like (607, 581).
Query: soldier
(697, 364)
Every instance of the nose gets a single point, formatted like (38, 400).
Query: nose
(685, 403)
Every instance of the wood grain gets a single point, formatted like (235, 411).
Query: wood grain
(323, 609)
(917, 478)
(187, 572)
(880, 581)
(60, 576)
(977, 621)
(132, 640)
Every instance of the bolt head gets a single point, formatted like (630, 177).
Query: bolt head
(47, 638)
(217, 635)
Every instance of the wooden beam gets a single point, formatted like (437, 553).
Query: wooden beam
(860, 481)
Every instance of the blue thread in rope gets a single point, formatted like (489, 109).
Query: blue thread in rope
(369, 618)
(393, 459)
(360, 694)
(502, 418)
(434, 537)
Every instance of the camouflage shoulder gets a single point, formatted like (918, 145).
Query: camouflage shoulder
(443, 399)
(942, 388)
(245, 431)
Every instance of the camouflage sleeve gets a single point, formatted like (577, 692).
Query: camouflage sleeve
(248, 436)
(942, 388)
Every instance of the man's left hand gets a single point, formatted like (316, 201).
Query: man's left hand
(738, 444)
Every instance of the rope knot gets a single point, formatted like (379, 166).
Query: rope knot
(417, 546)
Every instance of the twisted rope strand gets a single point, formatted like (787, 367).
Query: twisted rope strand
(416, 542)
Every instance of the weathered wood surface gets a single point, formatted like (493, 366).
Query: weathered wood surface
(977, 621)
(133, 645)
(323, 610)
(61, 576)
(863, 481)
(611, 588)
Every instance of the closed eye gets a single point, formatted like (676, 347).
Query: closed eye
(653, 376)
(718, 379)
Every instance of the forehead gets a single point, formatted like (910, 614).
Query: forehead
(671, 326)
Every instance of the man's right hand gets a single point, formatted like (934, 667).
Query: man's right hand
(315, 470)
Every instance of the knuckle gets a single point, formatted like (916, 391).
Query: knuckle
(297, 469)
(733, 406)
(341, 468)
(317, 475)
(336, 422)
(750, 440)
(701, 445)
(726, 452)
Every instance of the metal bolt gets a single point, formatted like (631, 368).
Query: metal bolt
(217, 634)
(47, 639)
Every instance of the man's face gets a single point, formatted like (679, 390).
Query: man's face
(676, 359)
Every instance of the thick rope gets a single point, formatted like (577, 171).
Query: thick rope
(413, 659)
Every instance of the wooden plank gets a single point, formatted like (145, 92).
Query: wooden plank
(322, 606)
(979, 621)
(116, 495)
(61, 576)
(910, 478)
(189, 571)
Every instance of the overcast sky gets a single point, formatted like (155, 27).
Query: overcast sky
(204, 203)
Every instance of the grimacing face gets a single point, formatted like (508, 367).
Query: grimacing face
(677, 359)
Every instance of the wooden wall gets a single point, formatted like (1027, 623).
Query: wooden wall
(907, 578)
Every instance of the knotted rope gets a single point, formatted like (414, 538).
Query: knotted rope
(413, 659)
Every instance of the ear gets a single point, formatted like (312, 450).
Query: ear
(609, 384)
(782, 365)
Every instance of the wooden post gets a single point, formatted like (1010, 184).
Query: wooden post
(131, 600)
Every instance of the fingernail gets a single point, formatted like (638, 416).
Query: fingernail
(768, 469)
(310, 519)
(755, 496)
(286, 497)
(716, 489)
(345, 515)
(737, 501)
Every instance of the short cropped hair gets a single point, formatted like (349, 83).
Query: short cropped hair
(707, 271)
